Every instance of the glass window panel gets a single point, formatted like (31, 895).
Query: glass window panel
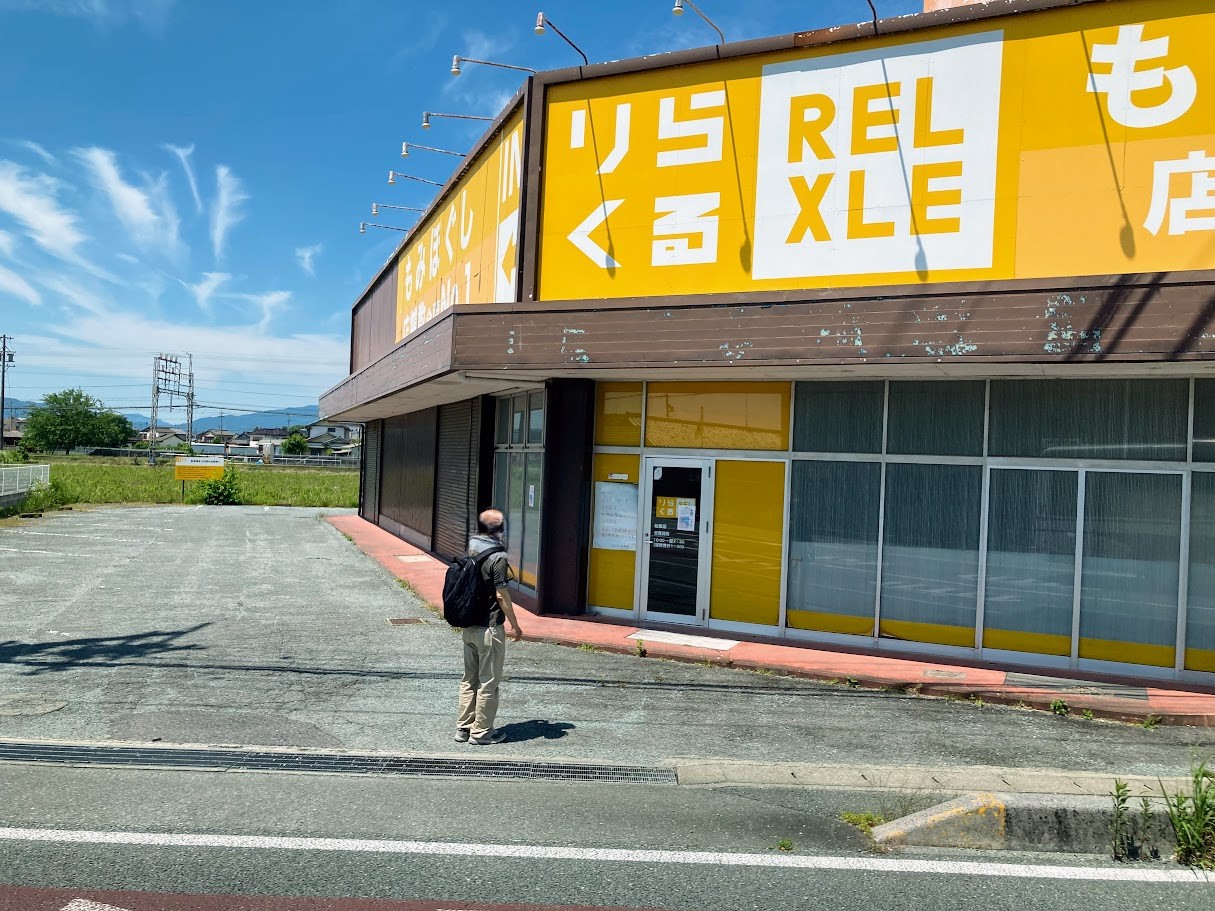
(501, 480)
(618, 414)
(838, 417)
(1128, 589)
(1031, 561)
(502, 433)
(833, 545)
(930, 559)
(518, 407)
(1200, 618)
(514, 512)
(535, 417)
(718, 415)
(936, 418)
(1204, 420)
(1089, 419)
(532, 495)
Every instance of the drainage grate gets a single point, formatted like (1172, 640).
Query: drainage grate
(333, 763)
(402, 621)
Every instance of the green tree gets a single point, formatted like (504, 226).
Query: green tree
(295, 445)
(73, 418)
(113, 430)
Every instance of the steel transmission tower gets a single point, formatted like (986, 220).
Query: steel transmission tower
(6, 361)
(168, 380)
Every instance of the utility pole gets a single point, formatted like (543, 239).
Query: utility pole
(6, 360)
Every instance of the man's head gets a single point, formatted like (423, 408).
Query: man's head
(491, 522)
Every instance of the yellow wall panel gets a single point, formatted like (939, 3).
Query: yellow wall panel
(829, 623)
(1200, 659)
(611, 573)
(933, 633)
(1128, 652)
(618, 414)
(718, 415)
(748, 528)
(1033, 643)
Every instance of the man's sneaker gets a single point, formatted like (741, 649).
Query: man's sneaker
(488, 739)
(462, 735)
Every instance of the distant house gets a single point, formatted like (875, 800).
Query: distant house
(324, 442)
(258, 434)
(163, 436)
(216, 436)
(13, 430)
(343, 432)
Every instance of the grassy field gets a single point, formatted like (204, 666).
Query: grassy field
(101, 480)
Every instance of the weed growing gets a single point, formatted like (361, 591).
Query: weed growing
(1059, 707)
(1192, 817)
(863, 821)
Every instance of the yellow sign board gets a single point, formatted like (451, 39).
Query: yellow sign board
(466, 252)
(198, 468)
(1078, 141)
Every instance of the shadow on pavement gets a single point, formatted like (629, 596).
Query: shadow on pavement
(71, 654)
(535, 729)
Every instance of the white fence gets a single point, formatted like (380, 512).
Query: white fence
(16, 480)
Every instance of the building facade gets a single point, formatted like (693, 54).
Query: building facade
(899, 341)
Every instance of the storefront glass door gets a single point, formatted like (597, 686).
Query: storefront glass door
(675, 556)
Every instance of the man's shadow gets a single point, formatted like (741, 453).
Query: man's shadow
(535, 729)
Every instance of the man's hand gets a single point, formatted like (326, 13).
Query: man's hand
(516, 632)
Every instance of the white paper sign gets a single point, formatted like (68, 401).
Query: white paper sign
(685, 514)
(615, 516)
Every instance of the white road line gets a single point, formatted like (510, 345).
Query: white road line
(59, 534)
(49, 553)
(613, 855)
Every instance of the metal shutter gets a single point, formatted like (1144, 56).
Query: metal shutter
(369, 502)
(456, 490)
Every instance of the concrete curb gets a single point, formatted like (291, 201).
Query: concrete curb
(976, 821)
(1030, 822)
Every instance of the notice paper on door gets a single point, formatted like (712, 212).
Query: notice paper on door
(685, 514)
(615, 525)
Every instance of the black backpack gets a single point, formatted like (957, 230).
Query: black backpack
(468, 597)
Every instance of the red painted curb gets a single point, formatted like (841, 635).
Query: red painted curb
(809, 661)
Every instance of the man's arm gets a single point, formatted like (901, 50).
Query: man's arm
(508, 608)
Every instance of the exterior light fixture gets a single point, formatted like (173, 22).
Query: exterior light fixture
(406, 146)
(393, 175)
(457, 60)
(376, 206)
(426, 115)
(543, 22)
(364, 225)
(677, 10)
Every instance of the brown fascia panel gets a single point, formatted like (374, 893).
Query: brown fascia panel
(1087, 322)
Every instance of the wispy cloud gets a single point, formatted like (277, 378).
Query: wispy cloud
(204, 290)
(7, 243)
(100, 12)
(269, 303)
(183, 154)
(85, 298)
(306, 255)
(30, 146)
(226, 212)
(32, 199)
(147, 214)
(13, 285)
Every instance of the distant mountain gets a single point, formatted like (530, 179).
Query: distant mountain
(283, 417)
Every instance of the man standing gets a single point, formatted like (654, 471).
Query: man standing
(485, 646)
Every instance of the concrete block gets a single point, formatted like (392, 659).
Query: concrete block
(974, 821)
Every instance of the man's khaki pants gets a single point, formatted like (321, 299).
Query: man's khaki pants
(484, 652)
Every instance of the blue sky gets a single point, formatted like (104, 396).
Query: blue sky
(188, 175)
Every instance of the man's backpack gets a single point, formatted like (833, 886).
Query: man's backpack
(468, 597)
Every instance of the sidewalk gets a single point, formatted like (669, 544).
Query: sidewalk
(1125, 700)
